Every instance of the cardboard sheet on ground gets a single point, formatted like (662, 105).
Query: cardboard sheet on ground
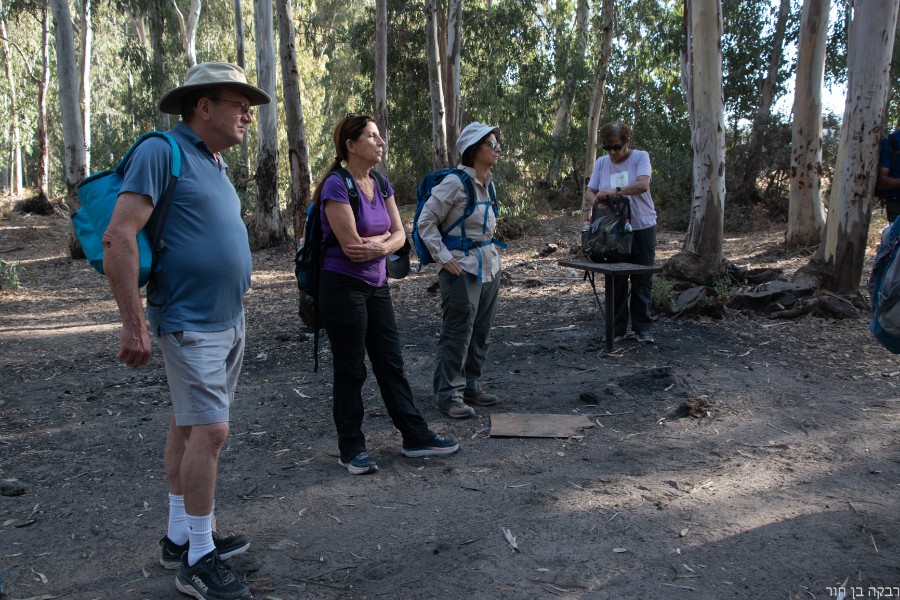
(537, 425)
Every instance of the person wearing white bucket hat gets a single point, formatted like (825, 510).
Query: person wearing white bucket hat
(470, 271)
(195, 307)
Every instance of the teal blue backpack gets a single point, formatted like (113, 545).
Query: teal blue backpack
(99, 193)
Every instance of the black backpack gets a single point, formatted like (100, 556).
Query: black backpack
(311, 253)
(609, 236)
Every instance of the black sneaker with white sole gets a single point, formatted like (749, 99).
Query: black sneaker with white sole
(232, 545)
(436, 446)
(210, 579)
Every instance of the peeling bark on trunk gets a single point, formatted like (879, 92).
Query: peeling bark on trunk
(838, 263)
(601, 70)
(566, 97)
(701, 260)
(438, 123)
(806, 213)
(44, 85)
(266, 228)
(451, 67)
(381, 112)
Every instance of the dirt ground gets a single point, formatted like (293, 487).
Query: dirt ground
(786, 487)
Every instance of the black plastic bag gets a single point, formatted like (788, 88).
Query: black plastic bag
(609, 237)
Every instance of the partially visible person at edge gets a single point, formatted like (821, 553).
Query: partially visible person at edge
(888, 183)
(469, 279)
(626, 171)
(195, 310)
(355, 300)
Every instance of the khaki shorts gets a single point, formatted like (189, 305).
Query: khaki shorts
(203, 368)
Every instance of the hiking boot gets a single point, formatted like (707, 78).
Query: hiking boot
(210, 579)
(436, 446)
(360, 464)
(481, 399)
(457, 410)
(644, 337)
(170, 553)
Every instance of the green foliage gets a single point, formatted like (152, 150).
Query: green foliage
(721, 285)
(661, 293)
(10, 276)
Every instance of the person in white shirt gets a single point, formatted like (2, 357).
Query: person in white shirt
(625, 171)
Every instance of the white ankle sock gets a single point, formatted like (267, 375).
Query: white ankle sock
(178, 528)
(200, 536)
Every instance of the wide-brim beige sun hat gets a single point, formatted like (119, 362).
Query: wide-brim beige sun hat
(472, 134)
(212, 75)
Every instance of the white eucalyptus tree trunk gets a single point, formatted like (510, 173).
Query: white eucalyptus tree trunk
(838, 263)
(15, 141)
(188, 29)
(700, 259)
(87, 44)
(451, 71)
(438, 116)
(69, 105)
(381, 112)
(266, 228)
(806, 213)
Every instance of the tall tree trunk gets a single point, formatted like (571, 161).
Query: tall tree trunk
(438, 123)
(601, 70)
(15, 141)
(806, 213)
(241, 174)
(160, 83)
(70, 111)
(43, 173)
(188, 29)
(266, 228)
(700, 260)
(567, 95)
(381, 112)
(298, 151)
(838, 263)
(751, 165)
(451, 66)
(87, 43)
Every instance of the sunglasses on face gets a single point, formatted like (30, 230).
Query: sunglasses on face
(245, 108)
(615, 147)
(492, 144)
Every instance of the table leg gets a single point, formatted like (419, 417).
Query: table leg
(608, 321)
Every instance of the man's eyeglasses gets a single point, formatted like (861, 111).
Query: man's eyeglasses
(492, 144)
(245, 108)
(615, 147)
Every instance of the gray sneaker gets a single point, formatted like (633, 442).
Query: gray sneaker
(644, 337)
(457, 410)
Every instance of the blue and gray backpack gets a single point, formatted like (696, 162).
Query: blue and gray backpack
(453, 242)
(884, 288)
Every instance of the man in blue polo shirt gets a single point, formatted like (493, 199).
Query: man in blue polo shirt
(195, 307)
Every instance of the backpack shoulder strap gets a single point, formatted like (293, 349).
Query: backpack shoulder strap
(352, 192)
(471, 196)
(382, 183)
(157, 221)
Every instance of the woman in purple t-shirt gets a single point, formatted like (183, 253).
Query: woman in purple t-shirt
(355, 302)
